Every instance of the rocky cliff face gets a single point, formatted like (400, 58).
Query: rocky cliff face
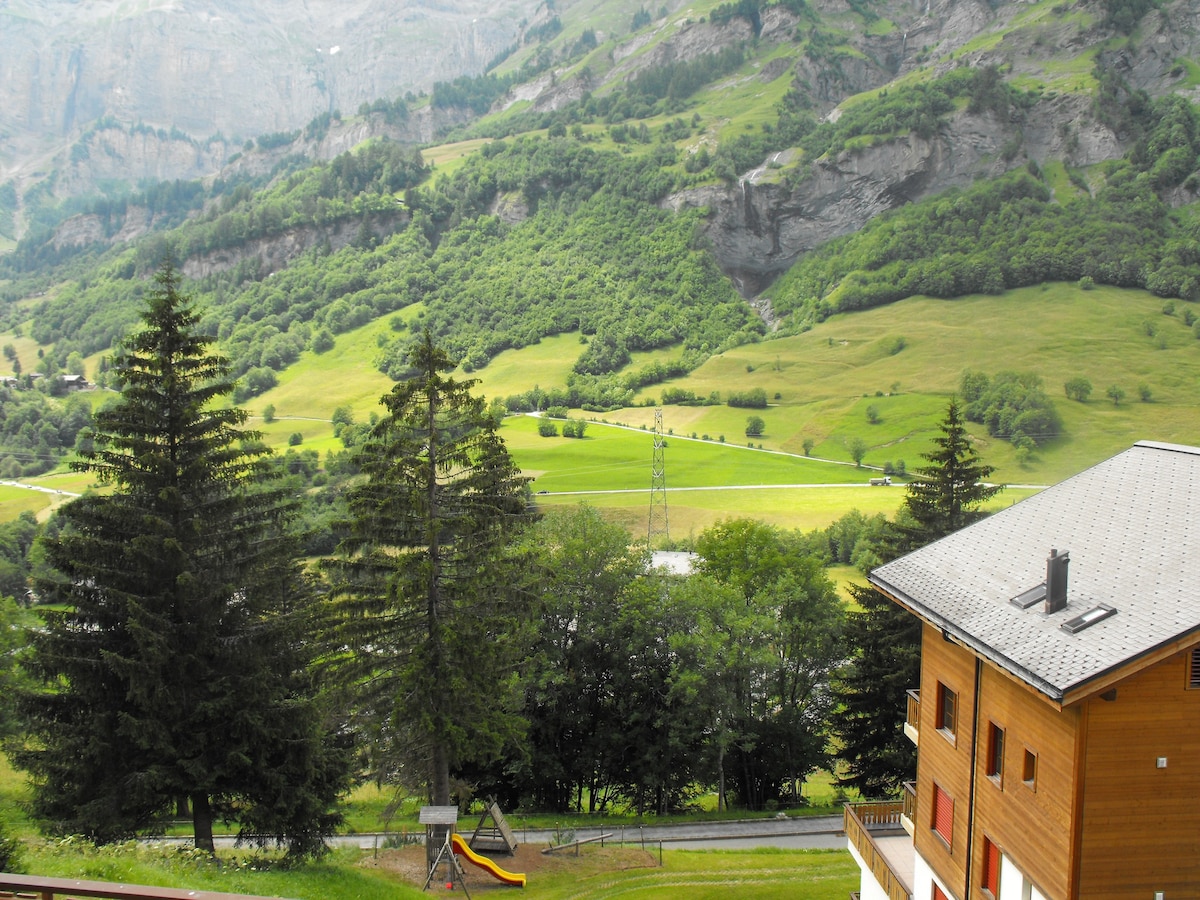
(237, 68)
(760, 226)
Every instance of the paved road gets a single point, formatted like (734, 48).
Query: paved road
(815, 832)
(798, 833)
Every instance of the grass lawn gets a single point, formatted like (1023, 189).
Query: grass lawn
(596, 872)
(365, 875)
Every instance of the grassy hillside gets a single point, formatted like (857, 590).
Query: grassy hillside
(826, 379)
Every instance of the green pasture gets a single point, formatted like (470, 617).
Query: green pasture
(897, 365)
(317, 384)
(827, 377)
(16, 500)
(545, 364)
(614, 457)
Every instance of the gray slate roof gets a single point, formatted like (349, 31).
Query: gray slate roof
(1132, 527)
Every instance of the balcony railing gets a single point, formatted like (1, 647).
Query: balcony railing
(858, 819)
(912, 718)
(908, 815)
(36, 887)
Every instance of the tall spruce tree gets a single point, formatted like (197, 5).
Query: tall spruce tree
(433, 620)
(178, 674)
(885, 660)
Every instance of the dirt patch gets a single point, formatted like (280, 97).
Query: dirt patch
(408, 863)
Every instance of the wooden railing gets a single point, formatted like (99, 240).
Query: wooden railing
(36, 887)
(910, 801)
(912, 717)
(857, 817)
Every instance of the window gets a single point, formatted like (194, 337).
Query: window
(995, 751)
(1194, 669)
(943, 814)
(991, 867)
(939, 894)
(947, 702)
(1029, 770)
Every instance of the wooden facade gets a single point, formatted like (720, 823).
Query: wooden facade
(1060, 720)
(1113, 809)
(1140, 822)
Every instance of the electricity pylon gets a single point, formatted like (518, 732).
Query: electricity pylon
(658, 485)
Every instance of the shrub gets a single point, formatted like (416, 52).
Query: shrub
(1078, 389)
(546, 428)
(752, 399)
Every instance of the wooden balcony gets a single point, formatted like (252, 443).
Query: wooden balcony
(875, 832)
(912, 718)
(908, 815)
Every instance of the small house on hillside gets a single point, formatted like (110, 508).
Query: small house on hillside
(1058, 716)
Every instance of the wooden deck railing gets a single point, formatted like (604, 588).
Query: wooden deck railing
(912, 717)
(910, 801)
(857, 817)
(36, 887)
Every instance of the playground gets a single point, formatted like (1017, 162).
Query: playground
(408, 864)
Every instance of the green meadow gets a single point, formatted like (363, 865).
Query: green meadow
(882, 376)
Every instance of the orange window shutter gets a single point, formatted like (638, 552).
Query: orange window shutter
(943, 813)
(991, 867)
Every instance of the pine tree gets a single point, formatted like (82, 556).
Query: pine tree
(945, 496)
(430, 610)
(178, 674)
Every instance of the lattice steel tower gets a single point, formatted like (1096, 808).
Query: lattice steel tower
(658, 485)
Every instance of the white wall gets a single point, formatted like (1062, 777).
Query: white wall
(868, 888)
(924, 880)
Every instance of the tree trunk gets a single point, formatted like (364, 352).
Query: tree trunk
(441, 773)
(722, 800)
(202, 823)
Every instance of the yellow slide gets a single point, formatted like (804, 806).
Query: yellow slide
(461, 848)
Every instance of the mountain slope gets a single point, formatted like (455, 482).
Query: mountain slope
(627, 159)
(177, 85)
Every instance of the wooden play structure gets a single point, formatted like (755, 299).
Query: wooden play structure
(443, 847)
(492, 834)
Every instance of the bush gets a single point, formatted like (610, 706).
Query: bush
(10, 851)
(574, 428)
(1078, 389)
(752, 399)
(755, 426)
(322, 341)
(546, 428)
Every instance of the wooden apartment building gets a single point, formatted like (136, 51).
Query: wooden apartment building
(1058, 716)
